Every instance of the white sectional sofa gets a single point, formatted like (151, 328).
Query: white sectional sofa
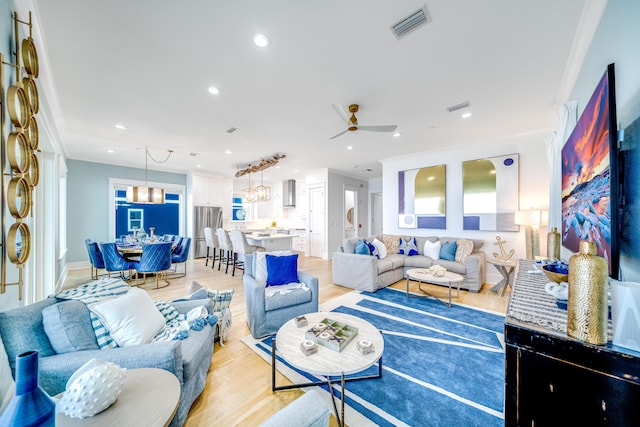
(368, 273)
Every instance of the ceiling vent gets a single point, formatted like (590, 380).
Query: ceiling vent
(231, 130)
(458, 106)
(411, 22)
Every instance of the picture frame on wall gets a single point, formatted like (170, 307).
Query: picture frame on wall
(422, 198)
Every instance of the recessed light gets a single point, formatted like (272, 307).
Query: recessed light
(227, 151)
(466, 114)
(110, 151)
(213, 90)
(261, 40)
(349, 147)
(397, 134)
(296, 170)
(277, 167)
(198, 166)
(121, 127)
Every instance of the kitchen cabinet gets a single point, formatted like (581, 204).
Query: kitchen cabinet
(208, 190)
(554, 380)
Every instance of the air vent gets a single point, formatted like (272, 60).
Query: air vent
(411, 22)
(458, 106)
(231, 130)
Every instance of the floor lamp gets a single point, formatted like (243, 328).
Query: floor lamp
(532, 220)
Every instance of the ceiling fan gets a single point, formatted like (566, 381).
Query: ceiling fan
(352, 122)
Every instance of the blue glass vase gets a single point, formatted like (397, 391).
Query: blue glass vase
(31, 406)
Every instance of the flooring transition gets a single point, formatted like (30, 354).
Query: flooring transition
(238, 387)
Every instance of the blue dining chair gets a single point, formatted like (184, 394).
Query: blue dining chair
(95, 257)
(155, 258)
(115, 261)
(180, 255)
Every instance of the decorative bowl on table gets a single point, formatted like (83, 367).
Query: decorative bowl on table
(557, 272)
(437, 270)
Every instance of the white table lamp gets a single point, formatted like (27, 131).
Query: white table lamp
(532, 220)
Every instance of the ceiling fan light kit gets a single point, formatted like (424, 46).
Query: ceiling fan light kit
(352, 122)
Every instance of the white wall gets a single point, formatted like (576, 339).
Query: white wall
(533, 182)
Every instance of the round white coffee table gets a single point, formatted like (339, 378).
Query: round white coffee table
(149, 397)
(326, 362)
(422, 275)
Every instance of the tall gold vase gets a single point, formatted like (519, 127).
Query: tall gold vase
(553, 244)
(587, 305)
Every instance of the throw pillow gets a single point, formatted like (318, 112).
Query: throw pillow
(391, 243)
(381, 248)
(7, 386)
(131, 319)
(282, 270)
(373, 250)
(408, 246)
(432, 249)
(362, 248)
(68, 327)
(463, 250)
(260, 271)
(448, 251)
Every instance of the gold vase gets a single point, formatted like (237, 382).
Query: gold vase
(587, 307)
(553, 244)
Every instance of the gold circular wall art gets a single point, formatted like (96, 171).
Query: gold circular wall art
(30, 57)
(31, 89)
(18, 243)
(19, 197)
(18, 106)
(18, 152)
(34, 170)
(33, 134)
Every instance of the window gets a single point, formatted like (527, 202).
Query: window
(135, 219)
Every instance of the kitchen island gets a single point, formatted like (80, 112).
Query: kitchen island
(271, 241)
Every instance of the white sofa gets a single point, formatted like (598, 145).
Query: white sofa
(368, 273)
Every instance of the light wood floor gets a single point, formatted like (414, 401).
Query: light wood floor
(238, 388)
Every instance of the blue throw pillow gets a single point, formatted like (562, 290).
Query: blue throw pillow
(362, 248)
(408, 247)
(372, 249)
(448, 251)
(282, 269)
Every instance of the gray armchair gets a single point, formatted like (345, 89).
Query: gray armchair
(265, 315)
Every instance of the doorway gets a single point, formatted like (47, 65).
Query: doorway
(376, 214)
(350, 216)
(316, 221)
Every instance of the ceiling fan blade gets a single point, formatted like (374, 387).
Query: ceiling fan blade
(341, 133)
(380, 128)
(341, 112)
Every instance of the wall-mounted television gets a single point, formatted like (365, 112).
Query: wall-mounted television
(590, 176)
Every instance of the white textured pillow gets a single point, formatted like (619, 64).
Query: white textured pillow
(261, 265)
(131, 319)
(382, 249)
(7, 386)
(463, 249)
(432, 249)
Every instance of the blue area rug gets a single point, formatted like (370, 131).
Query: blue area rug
(441, 366)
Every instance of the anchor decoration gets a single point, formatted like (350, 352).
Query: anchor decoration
(503, 255)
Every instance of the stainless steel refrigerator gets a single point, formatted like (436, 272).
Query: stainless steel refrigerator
(203, 217)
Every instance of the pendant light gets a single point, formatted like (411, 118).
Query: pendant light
(146, 194)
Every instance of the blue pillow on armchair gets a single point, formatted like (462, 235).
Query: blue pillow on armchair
(282, 269)
(448, 251)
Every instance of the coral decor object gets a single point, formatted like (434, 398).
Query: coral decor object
(92, 389)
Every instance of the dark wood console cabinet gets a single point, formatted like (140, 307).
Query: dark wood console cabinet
(554, 380)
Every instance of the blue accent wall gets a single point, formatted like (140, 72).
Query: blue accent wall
(88, 200)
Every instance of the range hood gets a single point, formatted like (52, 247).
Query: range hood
(289, 193)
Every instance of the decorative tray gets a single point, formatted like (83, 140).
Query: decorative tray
(332, 334)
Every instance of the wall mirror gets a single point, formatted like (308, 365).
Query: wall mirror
(490, 193)
(422, 198)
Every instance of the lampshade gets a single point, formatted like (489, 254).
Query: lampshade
(532, 217)
(142, 194)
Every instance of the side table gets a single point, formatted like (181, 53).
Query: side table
(506, 269)
(149, 397)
